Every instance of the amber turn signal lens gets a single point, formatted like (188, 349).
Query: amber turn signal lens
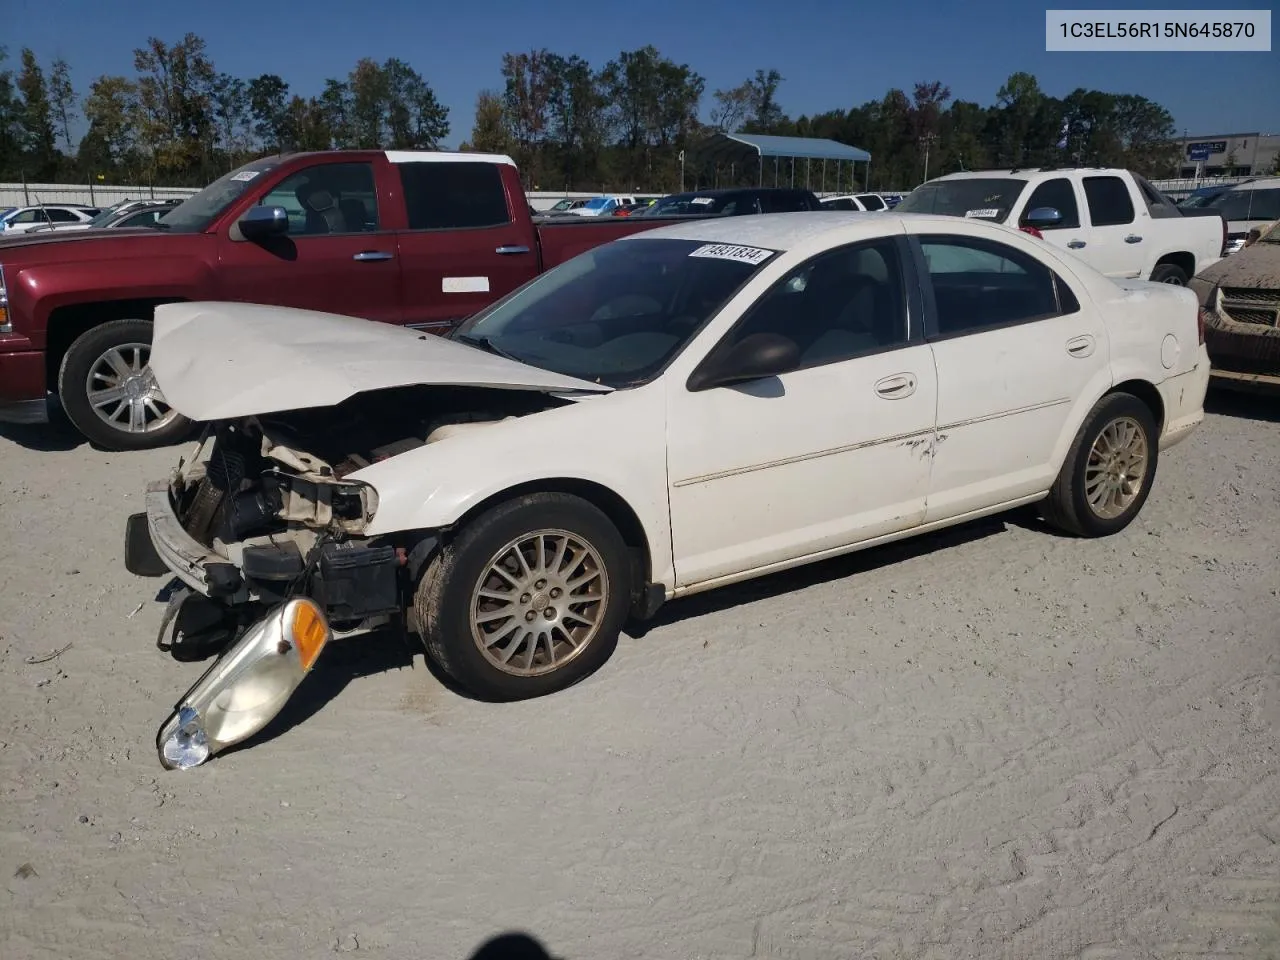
(308, 631)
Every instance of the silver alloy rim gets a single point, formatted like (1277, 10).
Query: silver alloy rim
(1117, 468)
(123, 393)
(1174, 280)
(539, 602)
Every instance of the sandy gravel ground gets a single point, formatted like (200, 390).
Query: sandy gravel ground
(993, 743)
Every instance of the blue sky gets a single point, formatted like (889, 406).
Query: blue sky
(832, 55)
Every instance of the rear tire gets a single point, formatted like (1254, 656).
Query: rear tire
(1109, 469)
(543, 580)
(1169, 273)
(107, 391)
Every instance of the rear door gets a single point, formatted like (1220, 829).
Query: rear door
(468, 239)
(338, 256)
(1118, 245)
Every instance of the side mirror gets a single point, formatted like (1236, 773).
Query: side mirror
(263, 222)
(752, 358)
(1043, 217)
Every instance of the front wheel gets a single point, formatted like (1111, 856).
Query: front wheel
(1109, 469)
(528, 599)
(109, 394)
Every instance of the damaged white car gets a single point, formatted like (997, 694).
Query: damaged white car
(689, 407)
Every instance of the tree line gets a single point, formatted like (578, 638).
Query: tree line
(625, 125)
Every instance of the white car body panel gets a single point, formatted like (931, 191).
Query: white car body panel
(281, 358)
(731, 482)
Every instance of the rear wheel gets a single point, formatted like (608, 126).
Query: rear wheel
(1169, 273)
(528, 599)
(1109, 469)
(108, 392)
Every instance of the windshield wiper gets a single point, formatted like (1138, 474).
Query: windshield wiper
(485, 343)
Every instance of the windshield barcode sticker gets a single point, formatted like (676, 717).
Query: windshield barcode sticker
(984, 212)
(244, 175)
(703, 201)
(729, 251)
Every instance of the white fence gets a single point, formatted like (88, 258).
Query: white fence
(91, 195)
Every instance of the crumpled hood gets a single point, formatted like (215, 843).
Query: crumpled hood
(223, 361)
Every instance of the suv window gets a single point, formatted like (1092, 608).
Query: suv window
(328, 198)
(784, 202)
(1109, 201)
(981, 284)
(61, 216)
(841, 304)
(1059, 194)
(840, 203)
(871, 201)
(454, 196)
(1248, 204)
(28, 216)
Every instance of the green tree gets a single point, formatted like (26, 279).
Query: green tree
(268, 97)
(35, 120)
(112, 111)
(175, 96)
(490, 134)
(62, 99)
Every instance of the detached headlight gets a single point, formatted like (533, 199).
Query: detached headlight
(246, 687)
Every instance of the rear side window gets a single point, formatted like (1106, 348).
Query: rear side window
(1109, 202)
(1059, 194)
(454, 196)
(784, 202)
(871, 201)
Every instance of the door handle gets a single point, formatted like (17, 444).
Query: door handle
(1132, 238)
(1081, 346)
(373, 255)
(1076, 244)
(509, 249)
(896, 387)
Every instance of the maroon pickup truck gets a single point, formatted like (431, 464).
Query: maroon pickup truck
(421, 239)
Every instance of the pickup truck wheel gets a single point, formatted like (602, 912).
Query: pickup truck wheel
(528, 599)
(108, 391)
(1109, 469)
(1169, 273)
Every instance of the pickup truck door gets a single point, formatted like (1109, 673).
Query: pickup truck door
(337, 257)
(1118, 244)
(469, 239)
(1069, 235)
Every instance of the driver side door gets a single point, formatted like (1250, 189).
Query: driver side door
(831, 453)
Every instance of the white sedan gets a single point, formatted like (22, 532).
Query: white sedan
(684, 408)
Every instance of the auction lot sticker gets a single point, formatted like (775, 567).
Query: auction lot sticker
(1193, 31)
(730, 251)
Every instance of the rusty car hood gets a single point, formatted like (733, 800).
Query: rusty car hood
(221, 361)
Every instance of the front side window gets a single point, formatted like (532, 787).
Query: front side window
(454, 196)
(843, 303)
(1059, 194)
(62, 216)
(328, 198)
(1109, 202)
(618, 313)
(981, 284)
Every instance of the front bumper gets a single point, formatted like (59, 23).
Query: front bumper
(204, 571)
(22, 387)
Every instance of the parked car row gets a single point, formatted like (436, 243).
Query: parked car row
(51, 215)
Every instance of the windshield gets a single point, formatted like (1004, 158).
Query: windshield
(194, 214)
(563, 205)
(1201, 199)
(687, 203)
(599, 203)
(618, 313)
(980, 197)
(1248, 204)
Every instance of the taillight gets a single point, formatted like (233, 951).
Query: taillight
(1033, 231)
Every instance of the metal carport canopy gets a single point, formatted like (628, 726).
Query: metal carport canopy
(736, 147)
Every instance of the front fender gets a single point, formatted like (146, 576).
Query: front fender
(615, 441)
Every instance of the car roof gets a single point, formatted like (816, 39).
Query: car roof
(1263, 183)
(789, 231)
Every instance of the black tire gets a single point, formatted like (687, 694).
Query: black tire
(80, 358)
(1169, 273)
(1067, 506)
(443, 599)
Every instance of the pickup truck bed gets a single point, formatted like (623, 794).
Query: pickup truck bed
(420, 239)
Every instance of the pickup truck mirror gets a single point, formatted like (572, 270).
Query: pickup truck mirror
(1042, 217)
(262, 222)
(752, 358)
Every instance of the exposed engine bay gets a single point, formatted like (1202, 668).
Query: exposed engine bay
(270, 495)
